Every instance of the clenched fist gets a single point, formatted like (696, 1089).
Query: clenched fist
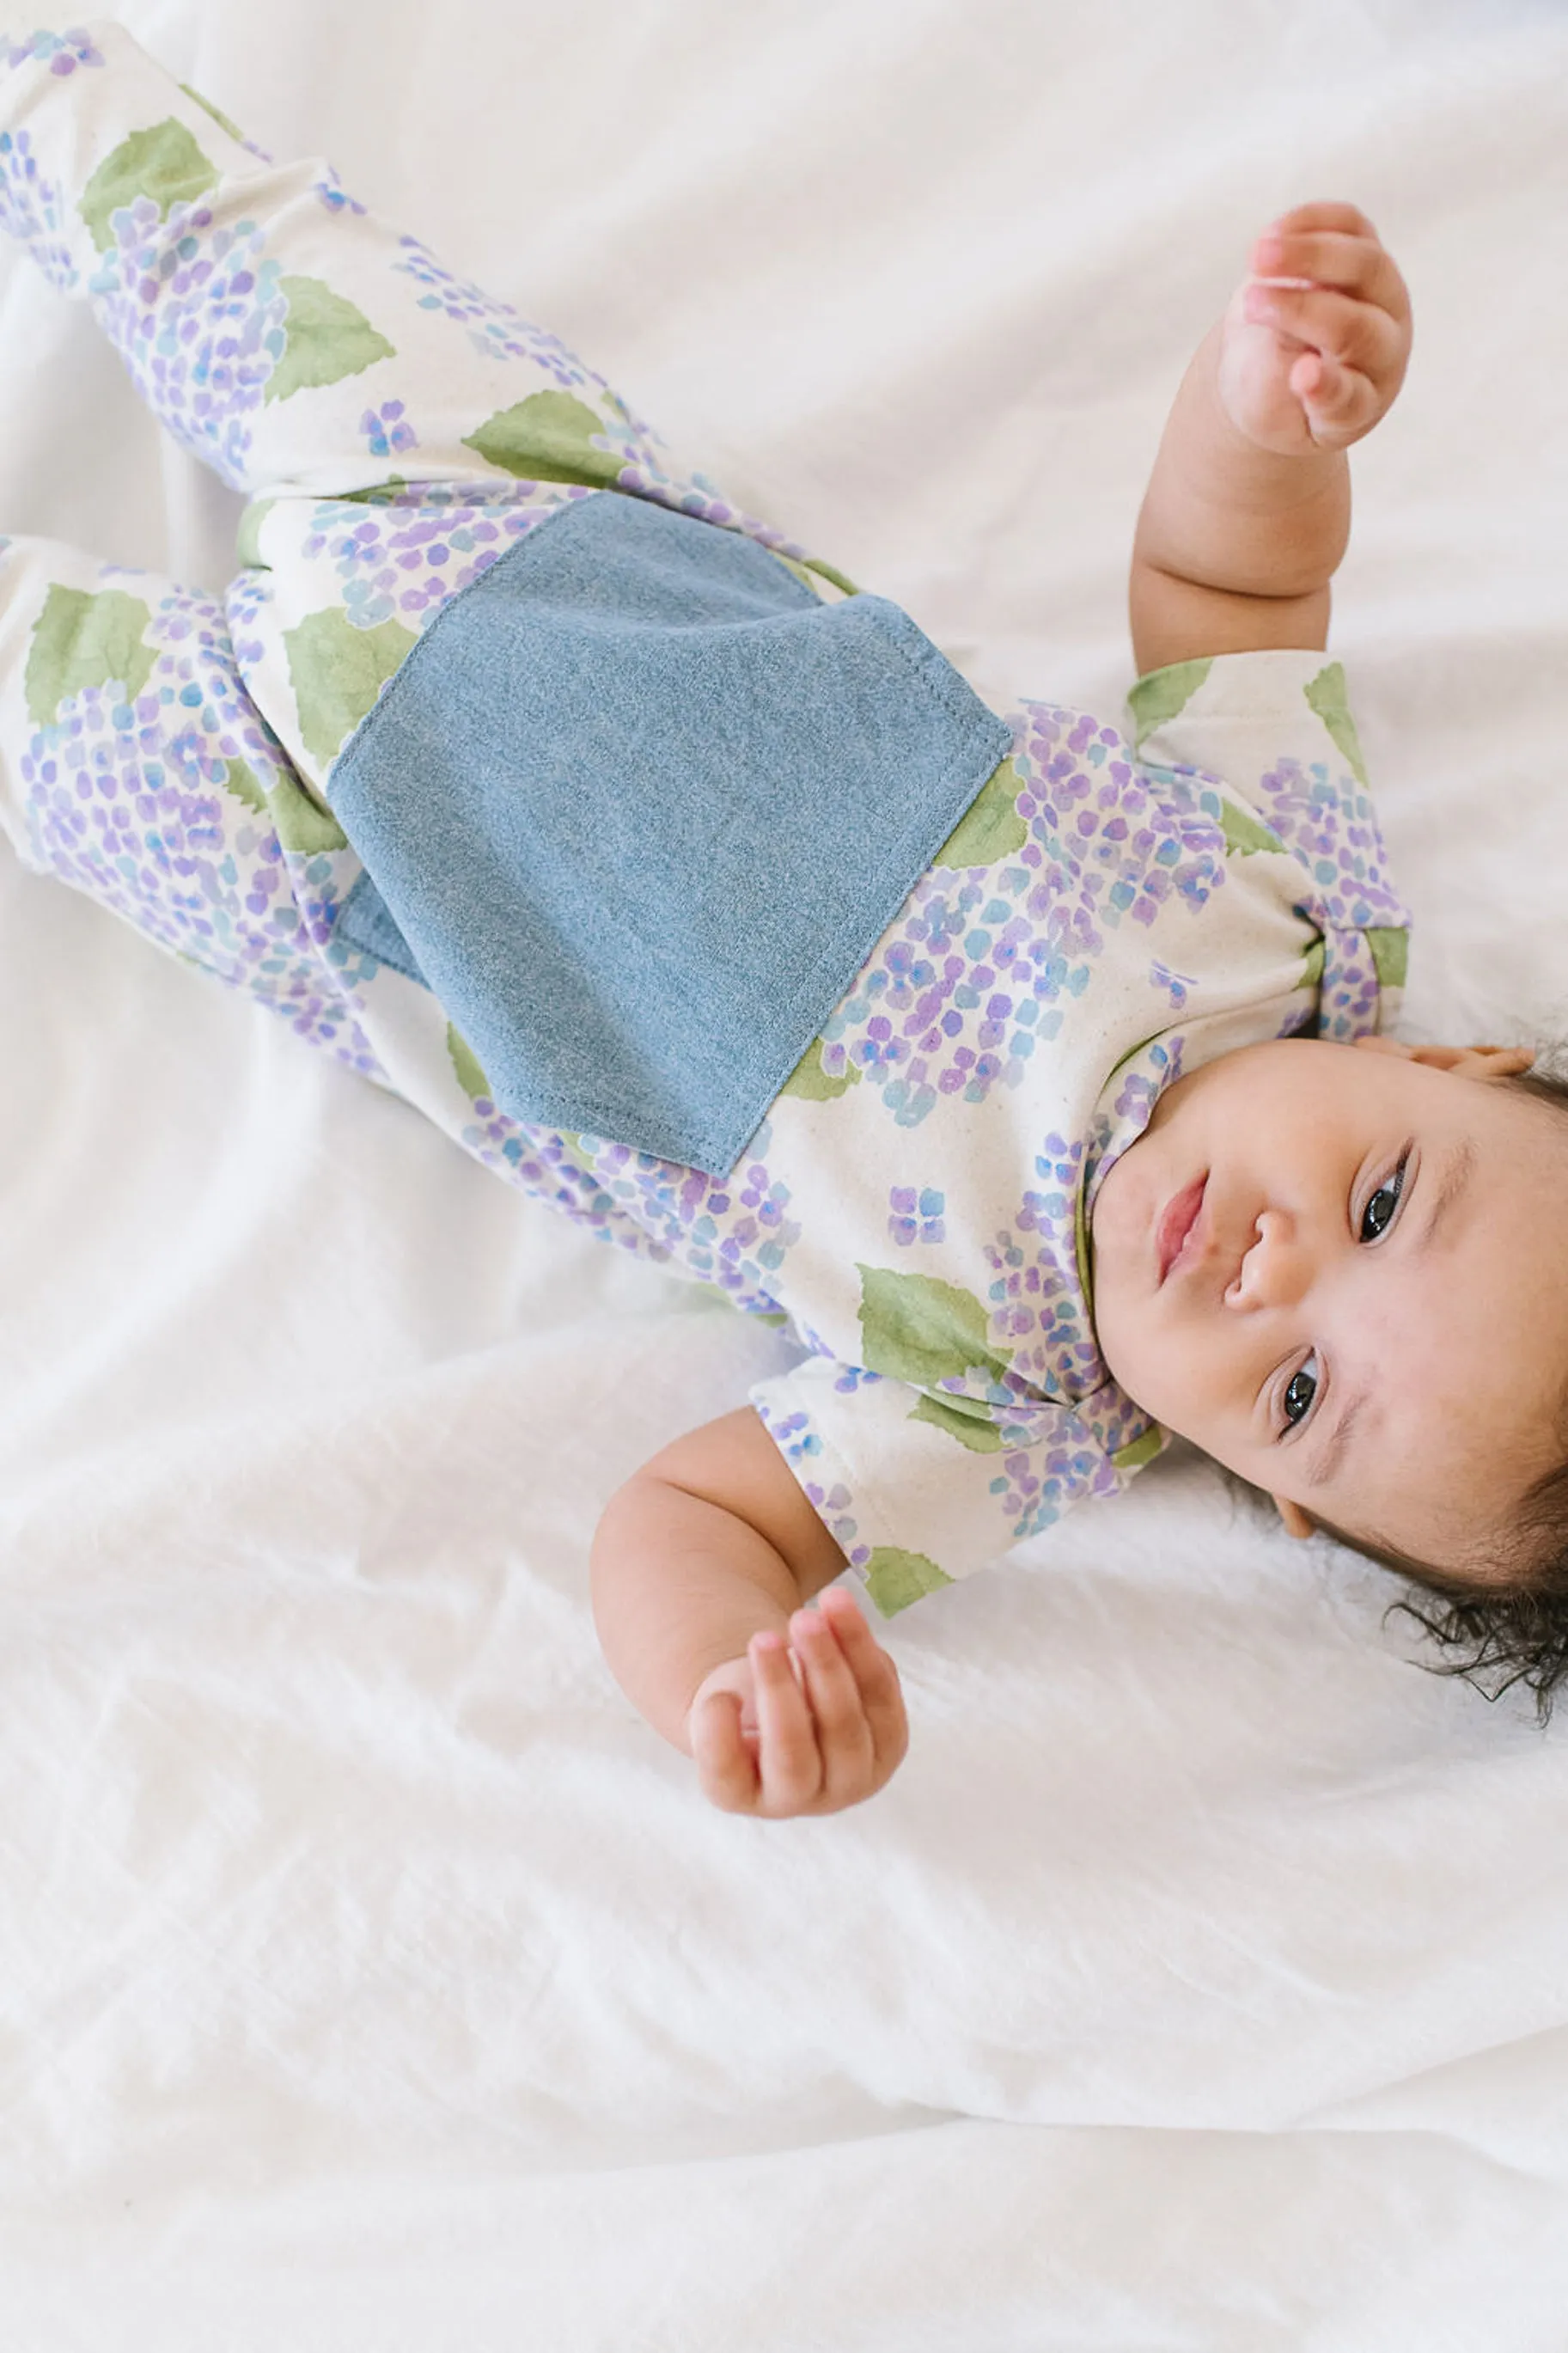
(1316, 341)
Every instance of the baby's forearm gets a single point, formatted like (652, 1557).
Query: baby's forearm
(680, 1585)
(701, 1568)
(1232, 520)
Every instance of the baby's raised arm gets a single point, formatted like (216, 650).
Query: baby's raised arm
(1247, 511)
(701, 1567)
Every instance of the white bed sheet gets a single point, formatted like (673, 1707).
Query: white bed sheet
(369, 1974)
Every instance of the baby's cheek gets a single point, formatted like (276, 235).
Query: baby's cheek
(1130, 1348)
(1169, 1376)
(1120, 1217)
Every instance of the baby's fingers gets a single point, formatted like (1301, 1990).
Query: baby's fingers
(875, 1680)
(789, 1761)
(843, 1736)
(805, 1744)
(1340, 404)
(1329, 257)
(1357, 334)
(726, 1768)
(1328, 213)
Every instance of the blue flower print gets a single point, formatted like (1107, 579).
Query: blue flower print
(916, 1216)
(384, 430)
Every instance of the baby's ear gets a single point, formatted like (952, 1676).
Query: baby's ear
(1298, 1523)
(1470, 1061)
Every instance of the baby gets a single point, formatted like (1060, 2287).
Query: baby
(1036, 1079)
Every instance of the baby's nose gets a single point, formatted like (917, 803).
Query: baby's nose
(1273, 1270)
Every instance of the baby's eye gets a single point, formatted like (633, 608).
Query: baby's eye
(1378, 1214)
(1300, 1391)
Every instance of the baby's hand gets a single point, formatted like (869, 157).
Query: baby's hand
(1315, 364)
(766, 1743)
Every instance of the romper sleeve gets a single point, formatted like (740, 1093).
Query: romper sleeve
(924, 1484)
(1273, 733)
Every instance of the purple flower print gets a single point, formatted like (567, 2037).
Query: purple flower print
(916, 1214)
(980, 967)
(405, 553)
(385, 429)
(199, 316)
(63, 52)
(155, 806)
(32, 208)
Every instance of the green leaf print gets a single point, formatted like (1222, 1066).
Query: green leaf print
(218, 116)
(465, 1061)
(1313, 966)
(241, 779)
(1243, 833)
(894, 1578)
(85, 638)
(164, 164)
(548, 437)
(303, 825)
(1390, 946)
(375, 494)
(338, 672)
(990, 829)
(300, 823)
(1139, 1451)
(972, 1427)
(1326, 694)
(801, 571)
(811, 1084)
(916, 1329)
(1165, 692)
(1083, 1255)
(808, 569)
(830, 571)
(247, 539)
(324, 340)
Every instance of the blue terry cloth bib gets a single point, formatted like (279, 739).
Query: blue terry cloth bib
(638, 806)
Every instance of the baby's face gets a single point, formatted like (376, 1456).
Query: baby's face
(1344, 1274)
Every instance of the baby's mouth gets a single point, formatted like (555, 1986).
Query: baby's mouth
(1178, 1224)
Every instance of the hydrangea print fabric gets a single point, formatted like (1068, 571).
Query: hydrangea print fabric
(1102, 920)
(917, 1203)
(152, 783)
(397, 430)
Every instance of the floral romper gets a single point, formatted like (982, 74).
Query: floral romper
(1096, 910)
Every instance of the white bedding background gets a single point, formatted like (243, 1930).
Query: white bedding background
(368, 1974)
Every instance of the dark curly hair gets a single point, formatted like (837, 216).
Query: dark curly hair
(1515, 1630)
